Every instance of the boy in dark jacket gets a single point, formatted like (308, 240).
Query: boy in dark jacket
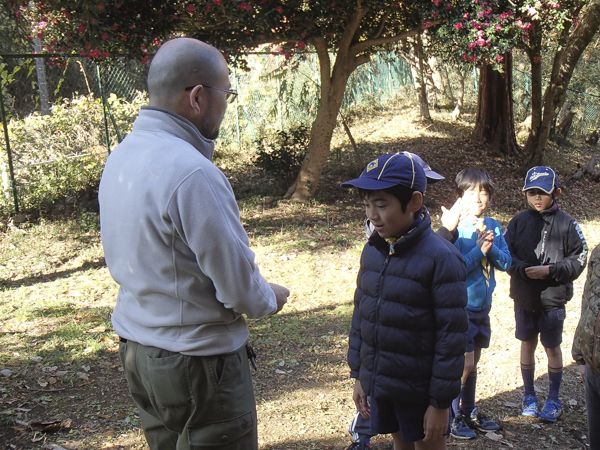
(586, 348)
(548, 253)
(409, 324)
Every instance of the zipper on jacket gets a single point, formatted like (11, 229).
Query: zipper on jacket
(385, 263)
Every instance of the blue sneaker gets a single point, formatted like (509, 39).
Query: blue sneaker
(551, 411)
(530, 407)
(460, 430)
(480, 422)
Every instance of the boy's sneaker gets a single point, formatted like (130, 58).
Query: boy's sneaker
(460, 430)
(480, 422)
(551, 411)
(530, 407)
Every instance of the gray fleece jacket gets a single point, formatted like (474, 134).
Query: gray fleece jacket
(174, 243)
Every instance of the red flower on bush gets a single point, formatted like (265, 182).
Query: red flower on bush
(301, 45)
(279, 9)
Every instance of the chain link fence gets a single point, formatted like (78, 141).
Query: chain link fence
(62, 117)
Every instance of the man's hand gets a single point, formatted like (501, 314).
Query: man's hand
(485, 239)
(537, 272)
(360, 400)
(281, 295)
(451, 217)
(435, 423)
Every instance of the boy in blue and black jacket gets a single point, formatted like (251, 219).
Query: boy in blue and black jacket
(409, 324)
(548, 253)
(481, 243)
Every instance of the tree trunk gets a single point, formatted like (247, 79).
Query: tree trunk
(333, 85)
(460, 95)
(448, 86)
(494, 124)
(41, 76)
(562, 71)
(437, 80)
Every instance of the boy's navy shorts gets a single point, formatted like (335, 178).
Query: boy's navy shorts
(480, 331)
(389, 417)
(548, 324)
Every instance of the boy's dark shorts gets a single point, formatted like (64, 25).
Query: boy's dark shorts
(390, 417)
(480, 331)
(548, 324)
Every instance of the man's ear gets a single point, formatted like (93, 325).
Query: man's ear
(557, 193)
(416, 202)
(194, 98)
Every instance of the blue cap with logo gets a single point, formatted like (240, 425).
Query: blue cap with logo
(390, 170)
(542, 178)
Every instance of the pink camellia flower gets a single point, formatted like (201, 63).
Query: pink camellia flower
(532, 12)
(466, 15)
(458, 25)
(145, 59)
(95, 53)
(301, 45)
(448, 6)
(472, 45)
(105, 54)
(465, 57)
(473, 58)
(262, 36)
(488, 43)
(575, 21)
(190, 9)
(217, 2)
(537, 59)
(500, 58)
(426, 24)
(481, 42)
(498, 28)
(437, 2)
(81, 29)
(480, 14)
(279, 9)
(480, 33)
(101, 7)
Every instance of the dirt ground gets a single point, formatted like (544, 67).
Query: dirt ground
(302, 387)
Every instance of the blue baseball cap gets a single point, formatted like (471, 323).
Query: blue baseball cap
(390, 170)
(432, 177)
(542, 178)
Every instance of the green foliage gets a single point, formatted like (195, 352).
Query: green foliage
(281, 155)
(62, 154)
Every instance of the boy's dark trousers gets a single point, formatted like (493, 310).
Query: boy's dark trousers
(191, 402)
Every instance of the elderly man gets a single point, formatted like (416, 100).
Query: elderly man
(174, 243)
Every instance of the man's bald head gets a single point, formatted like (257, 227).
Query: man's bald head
(181, 63)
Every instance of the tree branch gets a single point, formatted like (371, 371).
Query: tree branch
(381, 25)
(363, 45)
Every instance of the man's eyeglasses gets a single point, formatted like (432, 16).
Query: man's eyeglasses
(229, 95)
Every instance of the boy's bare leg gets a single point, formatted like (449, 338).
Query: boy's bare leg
(469, 364)
(554, 357)
(400, 444)
(528, 351)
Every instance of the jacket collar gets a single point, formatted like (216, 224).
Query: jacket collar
(421, 225)
(154, 118)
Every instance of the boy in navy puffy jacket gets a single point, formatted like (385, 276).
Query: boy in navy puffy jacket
(408, 333)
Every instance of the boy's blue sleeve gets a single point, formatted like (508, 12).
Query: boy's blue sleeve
(449, 295)
(576, 249)
(499, 254)
(472, 258)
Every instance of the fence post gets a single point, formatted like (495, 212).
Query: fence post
(10, 164)
(107, 139)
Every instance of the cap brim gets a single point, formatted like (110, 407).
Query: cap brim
(433, 177)
(368, 184)
(528, 188)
